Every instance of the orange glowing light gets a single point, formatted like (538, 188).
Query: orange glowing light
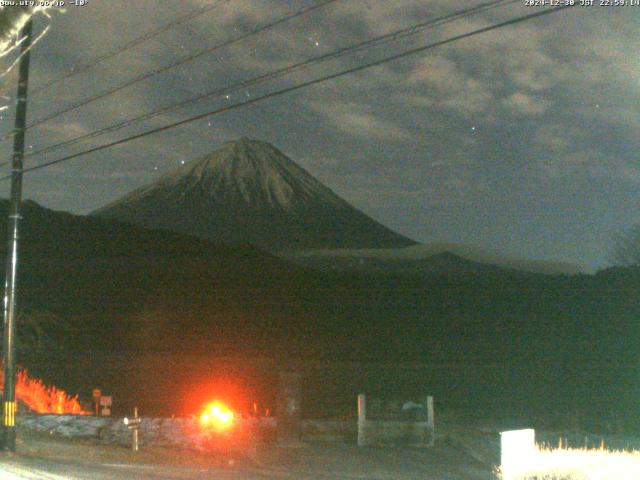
(216, 415)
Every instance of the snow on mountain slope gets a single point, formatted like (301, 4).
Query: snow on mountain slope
(249, 191)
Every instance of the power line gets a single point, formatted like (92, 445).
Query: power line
(152, 73)
(127, 46)
(300, 86)
(296, 87)
(393, 36)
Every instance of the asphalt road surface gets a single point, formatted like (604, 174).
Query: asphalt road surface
(24, 468)
(400, 467)
(47, 458)
(41, 469)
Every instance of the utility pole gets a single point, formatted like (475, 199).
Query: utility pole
(8, 344)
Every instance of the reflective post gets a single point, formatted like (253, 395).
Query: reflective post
(362, 420)
(134, 439)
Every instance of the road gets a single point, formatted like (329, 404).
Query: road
(360, 467)
(25, 468)
(48, 458)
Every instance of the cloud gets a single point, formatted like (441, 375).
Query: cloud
(353, 119)
(523, 104)
(445, 85)
(504, 110)
(554, 138)
(593, 163)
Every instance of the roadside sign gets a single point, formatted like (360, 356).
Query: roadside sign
(106, 401)
(105, 412)
(132, 423)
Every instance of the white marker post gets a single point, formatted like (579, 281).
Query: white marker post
(133, 424)
(431, 420)
(362, 420)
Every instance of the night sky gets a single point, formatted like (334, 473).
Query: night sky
(522, 141)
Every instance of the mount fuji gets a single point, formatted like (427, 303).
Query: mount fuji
(248, 191)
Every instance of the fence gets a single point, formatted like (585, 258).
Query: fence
(396, 422)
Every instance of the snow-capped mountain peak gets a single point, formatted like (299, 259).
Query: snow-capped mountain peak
(250, 191)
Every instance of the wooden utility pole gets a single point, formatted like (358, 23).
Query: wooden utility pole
(8, 344)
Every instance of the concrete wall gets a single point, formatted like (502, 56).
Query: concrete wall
(187, 433)
(184, 433)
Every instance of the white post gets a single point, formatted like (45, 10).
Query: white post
(134, 438)
(517, 452)
(362, 419)
(431, 420)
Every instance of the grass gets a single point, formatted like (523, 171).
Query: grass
(578, 464)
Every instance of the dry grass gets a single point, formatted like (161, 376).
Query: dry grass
(579, 464)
